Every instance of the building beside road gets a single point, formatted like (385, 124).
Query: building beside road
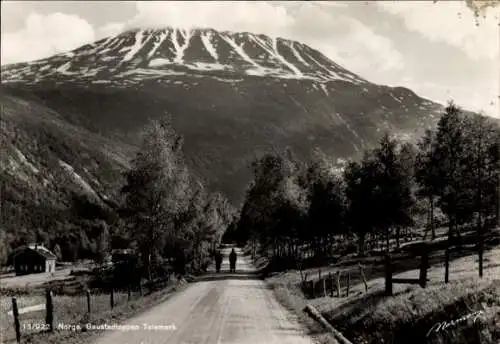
(33, 258)
(123, 255)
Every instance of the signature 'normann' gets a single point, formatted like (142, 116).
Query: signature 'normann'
(446, 324)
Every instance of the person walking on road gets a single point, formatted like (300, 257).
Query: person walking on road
(218, 260)
(232, 261)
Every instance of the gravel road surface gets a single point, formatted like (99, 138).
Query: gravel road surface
(232, 308)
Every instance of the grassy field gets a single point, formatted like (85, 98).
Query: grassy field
(70, 311)
(411, 316)
(407, 317)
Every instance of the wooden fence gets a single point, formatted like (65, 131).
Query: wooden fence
(48, 306)
(421, 280)
(332, 283)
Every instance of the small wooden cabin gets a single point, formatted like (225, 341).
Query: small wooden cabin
(34, 258)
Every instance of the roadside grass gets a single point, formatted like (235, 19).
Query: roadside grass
(24, 299)
(290, 296)
(409, 316)
(71, 311)
(463, 265)
(292, 299)
(412, 310)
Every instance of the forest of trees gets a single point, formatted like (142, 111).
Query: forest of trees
(165, 212)
(161, 209)
(454, 170)
(168, 212)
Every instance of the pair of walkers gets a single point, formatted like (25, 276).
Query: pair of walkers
(232, 261)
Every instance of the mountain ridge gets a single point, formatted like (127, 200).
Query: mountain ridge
(201, 50)
(269, 92)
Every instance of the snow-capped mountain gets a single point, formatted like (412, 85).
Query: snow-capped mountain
(231, 95)
(137, 55)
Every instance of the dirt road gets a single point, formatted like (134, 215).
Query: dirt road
(221, 308)
(34, 280)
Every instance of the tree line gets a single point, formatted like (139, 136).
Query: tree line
(168, 213)
(453, 170)
(161, 209)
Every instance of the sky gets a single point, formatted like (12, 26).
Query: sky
(439, 49)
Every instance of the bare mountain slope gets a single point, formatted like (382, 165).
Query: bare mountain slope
(231, 95)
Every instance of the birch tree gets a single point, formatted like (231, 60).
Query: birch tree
(156, 189)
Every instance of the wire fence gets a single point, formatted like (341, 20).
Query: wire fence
(40, 310)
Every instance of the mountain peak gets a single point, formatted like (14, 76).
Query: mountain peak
(232, 95)
(151, 53)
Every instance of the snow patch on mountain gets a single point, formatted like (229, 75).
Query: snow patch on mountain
(206, 39)
(180, 48)
(256, 71)
(284, 75)
(159, 62)
(228, 80)
(335, 75)
(64, 69)
(158, 42)
(134, 49)
(149, 72)
(107, 41)
(239, 49)
(115, 43)
(208, 66)
(323, 87)
(395, 98)
(296, 53)
(273, 52)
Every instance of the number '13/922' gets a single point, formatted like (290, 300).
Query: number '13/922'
(35, 326)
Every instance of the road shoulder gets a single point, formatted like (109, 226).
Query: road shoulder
(291, 298)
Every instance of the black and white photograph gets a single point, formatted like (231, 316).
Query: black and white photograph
(250, 172)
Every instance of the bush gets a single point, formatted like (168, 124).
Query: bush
(280, 263)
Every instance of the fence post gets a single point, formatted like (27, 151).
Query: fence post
(447, 264)
(112, 298)
(129, 292)
(424, 265)
(348, 281)
(304, 282)
(338, 283)
(363, 277)
(88, 301)
(324, 288)
(49, 310)
(330, 277)
(17, 326)
(388, 275)
(299, 265)
(312, 288)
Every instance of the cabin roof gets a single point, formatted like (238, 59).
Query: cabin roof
(40, 249)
